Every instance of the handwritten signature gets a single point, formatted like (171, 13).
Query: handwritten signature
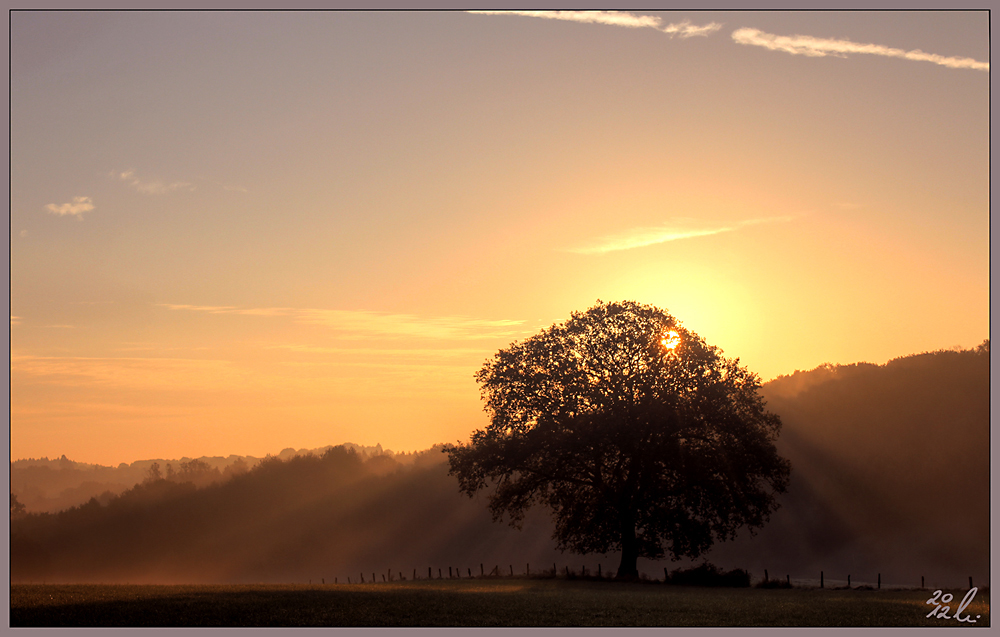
(941, 608)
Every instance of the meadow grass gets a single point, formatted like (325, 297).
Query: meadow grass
(479, 602)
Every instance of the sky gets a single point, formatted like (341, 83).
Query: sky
(237, 232)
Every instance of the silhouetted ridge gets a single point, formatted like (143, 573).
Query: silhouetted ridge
(45, 485)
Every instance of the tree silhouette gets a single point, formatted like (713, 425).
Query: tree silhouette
(637, 434)
(153, 473)
(16, 507)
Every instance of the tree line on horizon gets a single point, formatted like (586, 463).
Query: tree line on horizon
(49, 486)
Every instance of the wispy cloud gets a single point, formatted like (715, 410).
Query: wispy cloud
(820, 47)
(385, 324)
(211, 309)
(75, 208)
(150, 187)
(172, 373)
(652, 235)
(683, 29)
(445, 352)
(360, 323)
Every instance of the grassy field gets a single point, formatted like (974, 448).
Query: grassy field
(508, 602)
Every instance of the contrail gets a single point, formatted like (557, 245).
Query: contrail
(819, 47)
(618, 19)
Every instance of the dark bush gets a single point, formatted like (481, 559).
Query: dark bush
(708, 574)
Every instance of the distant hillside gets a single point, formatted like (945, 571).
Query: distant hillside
(48, 486)
(890, 475)
(310, 517)
(890, 470)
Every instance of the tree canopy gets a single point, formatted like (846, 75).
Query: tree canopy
(638, 435)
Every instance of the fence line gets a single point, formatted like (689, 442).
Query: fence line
(583, 573)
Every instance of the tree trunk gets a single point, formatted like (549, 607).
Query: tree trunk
(630, 551)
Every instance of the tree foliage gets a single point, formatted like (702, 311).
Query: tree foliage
(636, 433)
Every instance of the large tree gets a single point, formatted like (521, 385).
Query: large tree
(637, 434)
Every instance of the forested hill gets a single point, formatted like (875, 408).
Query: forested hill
(307, 518)
(890, 475)
(890, 467)
(43, 485)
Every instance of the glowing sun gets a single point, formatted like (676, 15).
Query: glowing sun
(670, 340)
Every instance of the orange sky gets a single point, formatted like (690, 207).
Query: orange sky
(240, 232)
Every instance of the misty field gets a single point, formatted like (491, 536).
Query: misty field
(512, 602)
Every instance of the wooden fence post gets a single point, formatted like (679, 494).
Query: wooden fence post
(970, 582)
(439, 573)
(383, 576)
(788, 579)
(512, 571)
(848, 581)
(880, 580)
(821, 579)
(362, 578)
(921, 581)
(470, 571)
(666, 578)
(765, 574)
(527, 569)
(348, 579)
(449, 572)
(414, 574)
(481, 572)
(598, 570)
(553, 569)
(429, 576)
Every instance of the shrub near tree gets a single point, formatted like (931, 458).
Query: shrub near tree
(639, 436)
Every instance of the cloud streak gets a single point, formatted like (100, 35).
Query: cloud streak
(152, 187)
(652, 235)
(75, 208)
(684, 29)
(451, 352)
(820, 47)
(146, 373)
(365, 323)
